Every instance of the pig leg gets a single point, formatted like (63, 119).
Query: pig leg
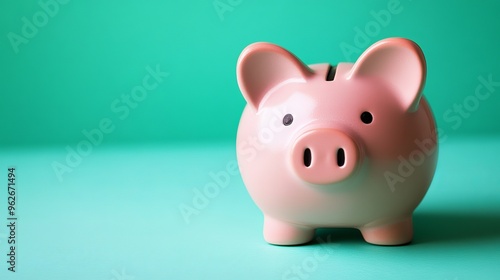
(282, 233)
(397, 233)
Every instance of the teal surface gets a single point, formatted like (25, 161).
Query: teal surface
(65, 67)
(117, 216)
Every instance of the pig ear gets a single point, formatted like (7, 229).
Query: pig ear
(398, 62)
(263, 66)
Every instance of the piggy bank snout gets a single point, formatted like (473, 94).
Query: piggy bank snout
(324, 156)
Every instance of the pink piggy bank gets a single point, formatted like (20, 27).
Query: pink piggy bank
(352, 145)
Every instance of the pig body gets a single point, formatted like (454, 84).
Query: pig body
(347, 146)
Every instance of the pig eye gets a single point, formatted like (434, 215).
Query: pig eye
(366, 117)
(287, 119)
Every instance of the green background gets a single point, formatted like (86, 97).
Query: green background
(90, 53)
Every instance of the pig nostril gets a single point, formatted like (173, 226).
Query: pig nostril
(307, 157)
(340, 157)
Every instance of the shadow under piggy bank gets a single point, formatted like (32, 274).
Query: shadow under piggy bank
(456, 227)
(431, 227)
